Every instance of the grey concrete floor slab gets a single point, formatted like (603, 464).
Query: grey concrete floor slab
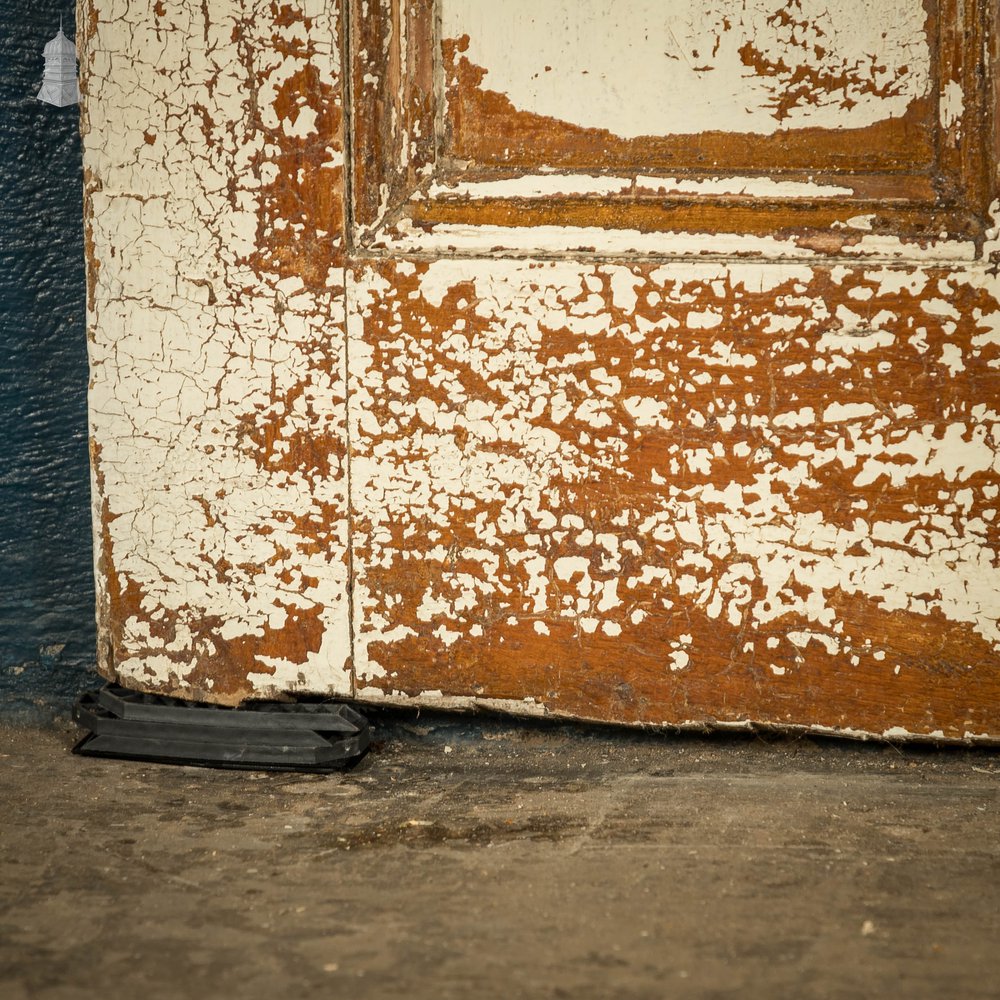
(479, 858)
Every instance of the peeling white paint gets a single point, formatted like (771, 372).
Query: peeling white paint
(219, 402)
(921, 564)
(579, 61)
(451, 239)
(189, 353)
(952, 104)
(544, 185)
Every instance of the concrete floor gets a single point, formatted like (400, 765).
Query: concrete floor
(479, 858)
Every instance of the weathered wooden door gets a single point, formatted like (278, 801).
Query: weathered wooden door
(632, 361)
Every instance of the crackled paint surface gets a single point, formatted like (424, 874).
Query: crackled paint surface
(730, 86)
(771, 128)
(723, 492)
(639, 67)
(213, 151)
(711, 491)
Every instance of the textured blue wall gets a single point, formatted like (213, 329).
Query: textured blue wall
(47, 634)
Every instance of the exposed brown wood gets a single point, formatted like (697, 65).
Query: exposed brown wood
(964, 144)
(485, 128)
(392, 102)
(484, 136)
(606, 495)
(743, 491)
(306, 195)
(797, 219)
(993, 102)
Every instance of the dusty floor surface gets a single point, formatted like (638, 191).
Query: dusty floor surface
(479, 858)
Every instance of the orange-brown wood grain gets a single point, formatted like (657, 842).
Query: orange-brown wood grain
(217, 393)
(484, 127)
(744, 491)
(825, 222)
(392, 103)
(941, 163)
(647, 494)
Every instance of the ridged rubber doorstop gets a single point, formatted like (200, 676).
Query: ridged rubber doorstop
(272, 736)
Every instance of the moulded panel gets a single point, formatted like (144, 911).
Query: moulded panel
(213, 140)
(697, 493)
(726, 85)
(761, 129)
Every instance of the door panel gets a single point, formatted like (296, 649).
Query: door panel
(628, 442)
(641, 369)
(644, 129)
(584, 83)
(716, 492)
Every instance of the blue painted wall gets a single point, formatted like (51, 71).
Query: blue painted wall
(47, 635)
